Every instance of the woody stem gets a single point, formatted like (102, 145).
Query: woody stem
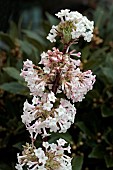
(57, 79)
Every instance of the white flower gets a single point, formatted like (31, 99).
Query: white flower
(46, 70)
(44, 55)
(68, 149)
(61, 142)
(61, 110)
(47, 106)
(79, 25)
(51, 97)
(89, 24)
(35, 100)
(51, 37)
(88, 36)
(41, 168)
(41, 155)
(62, 13)
(75, 34)
(19, 166)
(50, 154)
(27, 116)
(46, 145)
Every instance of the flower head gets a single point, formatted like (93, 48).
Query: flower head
(50, 155)
(72, 26)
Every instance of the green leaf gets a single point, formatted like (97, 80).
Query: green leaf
(36, 37)
(56, 136)
(14, 87)
(106, 111)
(30, 50)
(85, 52)
(52, 20)
(92, 64)
(13, 32)
(83, 127)
(25, 47)
(109, 161)
(97, 152)
(108, 72)
(77, 162)
(100, 16)
(7, 40)
(18, 145)
(13, 72)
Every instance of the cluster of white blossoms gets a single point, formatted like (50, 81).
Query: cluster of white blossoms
(72, 81)
(42, 115)
(48, 157)
(72, 26)
(57, 72)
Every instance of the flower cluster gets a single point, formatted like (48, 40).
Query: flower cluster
(72, 81)
(72, 26)
(45, 114)
(48, 157)
(57, 72)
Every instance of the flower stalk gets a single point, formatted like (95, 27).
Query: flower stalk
(48, 113)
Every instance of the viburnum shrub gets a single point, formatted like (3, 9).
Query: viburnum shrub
(57, 74)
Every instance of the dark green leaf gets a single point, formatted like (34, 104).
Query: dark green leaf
(109, 161)
(52, 20)
(106, 111)
(77, 162)
(13, 32)
(14, 87)
(92, 64)
(97, 152)
(18, 145)
(13, 72)
(84, 128)
(108, 72)
(25, 47)
(85, 52)
(7, 40)
(36, 37)
(56, 136)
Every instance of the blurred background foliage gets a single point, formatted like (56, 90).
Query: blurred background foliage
(91, 136)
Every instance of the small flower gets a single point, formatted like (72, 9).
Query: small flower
(51, 37)
(41, 155)
(51, 97)
(61, 142)
(46, 70)
(62, 13)
(47, 106)
(27, 117)
(68, 149)
(61, 110)
(19, 166)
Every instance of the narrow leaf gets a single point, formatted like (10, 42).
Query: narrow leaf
(109, 161)
(7, 39)
(52, 20)
(13, 72)
(106, 111)
(83, 127)
(97, 152)
(14, 87)
(77, 162)
(34, 36)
